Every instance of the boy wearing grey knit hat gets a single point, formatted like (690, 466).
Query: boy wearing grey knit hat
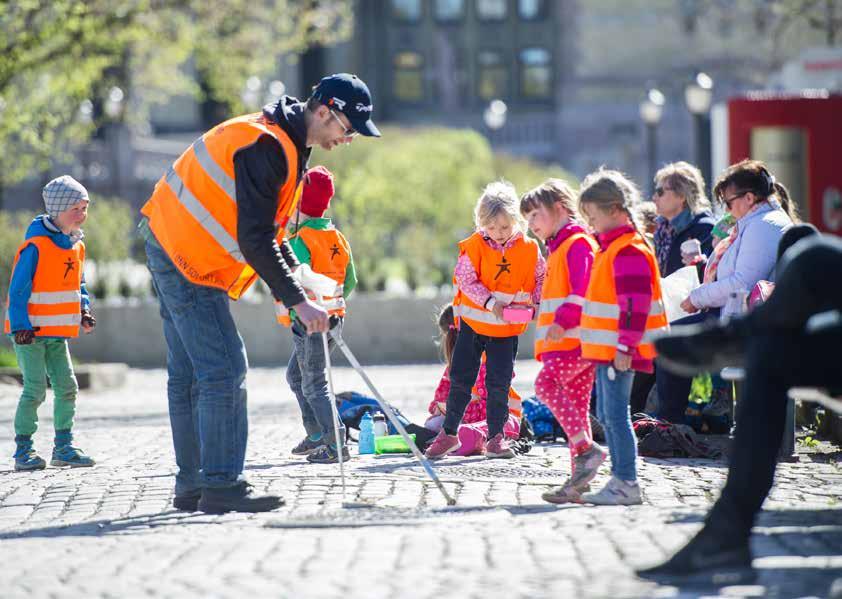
(48, 303)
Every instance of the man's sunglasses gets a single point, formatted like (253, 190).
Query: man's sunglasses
(659, 191)
(347, 132)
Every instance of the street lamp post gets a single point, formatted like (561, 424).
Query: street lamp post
(698, 96)
(651, 110)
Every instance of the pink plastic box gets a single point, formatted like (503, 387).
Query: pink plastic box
(518, 313)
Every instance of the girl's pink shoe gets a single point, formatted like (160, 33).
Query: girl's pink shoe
(498, 447)
(442, 445)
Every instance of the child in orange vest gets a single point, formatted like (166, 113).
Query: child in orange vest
(473, 432)
(498, 278)
(623, 311)
(47, 304)
(566, 380)
(317, 243)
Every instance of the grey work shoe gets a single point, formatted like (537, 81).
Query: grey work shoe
(307, 446)
(239, 498)
(586, 465)
(615, 492)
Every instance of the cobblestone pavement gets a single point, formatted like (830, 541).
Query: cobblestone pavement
(110, 531)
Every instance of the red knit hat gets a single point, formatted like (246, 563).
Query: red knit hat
(318, 190)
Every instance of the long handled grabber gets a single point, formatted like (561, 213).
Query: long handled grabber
(390, 414)
(336, 423)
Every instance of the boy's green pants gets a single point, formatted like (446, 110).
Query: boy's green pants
(42, 358)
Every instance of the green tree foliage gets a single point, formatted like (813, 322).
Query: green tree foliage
(55, 55)
(405, 200)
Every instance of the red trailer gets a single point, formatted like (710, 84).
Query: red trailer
(800, 137)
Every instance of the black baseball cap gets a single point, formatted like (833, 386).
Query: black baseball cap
(349, 95)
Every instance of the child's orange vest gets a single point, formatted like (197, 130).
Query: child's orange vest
(330, 255)
(509, 275)
(55, 306)
(601, 313)
(555, 292)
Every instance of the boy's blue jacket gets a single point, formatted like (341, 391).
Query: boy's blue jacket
(20, 287)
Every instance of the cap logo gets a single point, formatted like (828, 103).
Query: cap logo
(339, 103)
(363, 107)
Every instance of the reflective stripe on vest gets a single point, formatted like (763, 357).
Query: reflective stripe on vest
(198, 211)
(56, 297)
(193, 210)
(601, 313)
(510, 277)
(555, 293)
(54, 305)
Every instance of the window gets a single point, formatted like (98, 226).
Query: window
(530, 10)
(448, 10)
(408, 80)
(491, 10)
(406, 10)
(492, 75)
(535, 74)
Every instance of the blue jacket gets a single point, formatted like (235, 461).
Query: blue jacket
(699, 227)
(20, 288)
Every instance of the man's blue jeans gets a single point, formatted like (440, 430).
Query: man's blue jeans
(206, 388)
(306, 378)
(613, 412)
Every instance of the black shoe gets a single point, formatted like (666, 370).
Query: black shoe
(695, 349)
(189, 502)
(705, 560)
(239, 498)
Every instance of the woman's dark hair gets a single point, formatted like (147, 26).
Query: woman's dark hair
(447, 326)
(746, 175)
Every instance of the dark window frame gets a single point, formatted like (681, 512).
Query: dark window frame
(523, 66)
(484, 19)
(504, 65)
(420, 70)
(543, 12)
(455, 21)
(395, 17)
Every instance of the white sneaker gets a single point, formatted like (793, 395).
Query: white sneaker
(615, 492)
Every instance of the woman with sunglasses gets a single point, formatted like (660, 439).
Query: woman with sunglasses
(749, 192)
(684, 213)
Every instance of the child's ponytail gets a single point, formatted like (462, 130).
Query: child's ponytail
(448, 332)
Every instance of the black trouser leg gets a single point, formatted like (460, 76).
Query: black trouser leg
(500, 353)
(774, 364)
(464, 366)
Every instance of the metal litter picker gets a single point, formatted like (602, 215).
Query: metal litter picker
(386, 410)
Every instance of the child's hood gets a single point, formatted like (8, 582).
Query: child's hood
(38, 228)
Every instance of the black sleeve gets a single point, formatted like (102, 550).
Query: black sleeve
(259, 172)
(289, 255)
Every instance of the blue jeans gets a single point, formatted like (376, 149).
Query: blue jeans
(206, 387)
(613, 412)
(306, 378)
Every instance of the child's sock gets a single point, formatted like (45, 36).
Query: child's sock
(315, 436)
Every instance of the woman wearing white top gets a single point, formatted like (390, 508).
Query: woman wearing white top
(750, 193)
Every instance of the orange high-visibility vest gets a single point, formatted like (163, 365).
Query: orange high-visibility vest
(193, 210)
(555, 292)
(55, 304)
(510, 277)
(601, 313)
(330, 254)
